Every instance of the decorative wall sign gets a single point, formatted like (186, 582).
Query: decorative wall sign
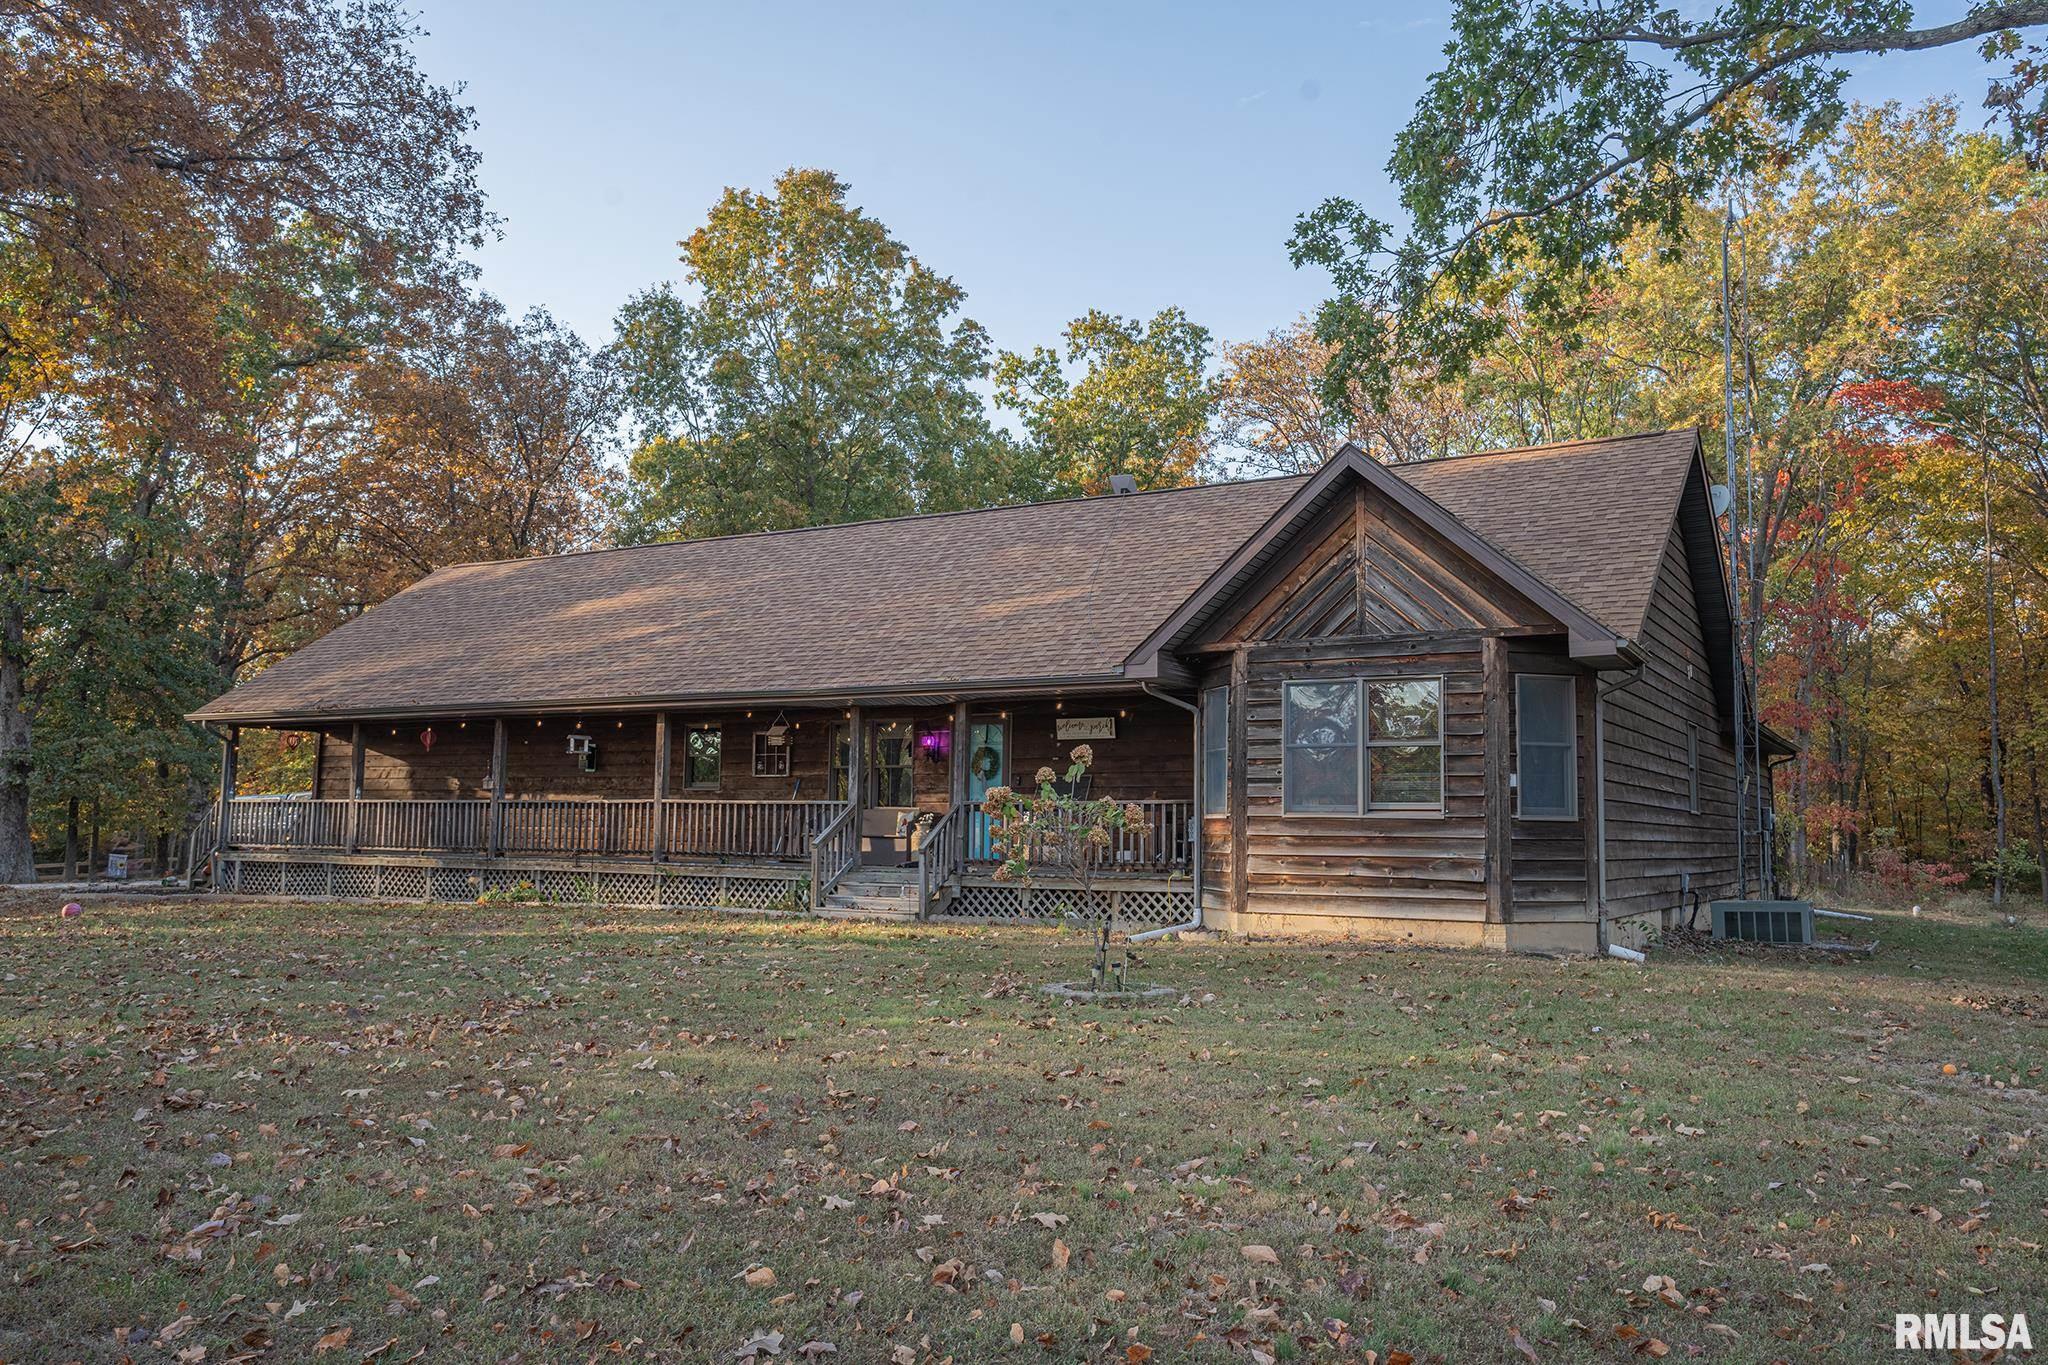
(1084, 727)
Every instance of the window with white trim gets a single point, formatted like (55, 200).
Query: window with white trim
(1546, 747)
(1216, 751)
(1361, 745)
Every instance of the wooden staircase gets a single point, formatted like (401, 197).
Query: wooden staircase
(886, 893)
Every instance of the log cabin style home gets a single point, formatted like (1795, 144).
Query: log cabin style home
(1487, 700)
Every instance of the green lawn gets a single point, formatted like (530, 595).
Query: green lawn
(543, 1133)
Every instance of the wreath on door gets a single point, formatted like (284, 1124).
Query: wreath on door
(986, 763)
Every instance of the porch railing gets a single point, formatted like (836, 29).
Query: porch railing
(416, 826)
(747, 829)
(1161, 843)
(285, 822)
(938, 854)
(835, 849)
(566, 827)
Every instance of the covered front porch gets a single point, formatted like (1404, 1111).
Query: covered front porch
(799, 807)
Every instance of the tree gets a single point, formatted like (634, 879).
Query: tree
(1558, 130)
(1141, 405)
(1270, 409)
(483, 438)
(159, 166)
(817, 374)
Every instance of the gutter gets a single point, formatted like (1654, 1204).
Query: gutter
(1195, 842)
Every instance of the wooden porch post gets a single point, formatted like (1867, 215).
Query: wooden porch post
(1500, 811)
(355, 787)
(856, 764)
(662, 752)
(958, 777)
(1240, 787)
(224, 834)
(501, 752)
(319, 760)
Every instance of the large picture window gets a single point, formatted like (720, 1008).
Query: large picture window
(1363, 745)
(1546, 747)
(1216, 751)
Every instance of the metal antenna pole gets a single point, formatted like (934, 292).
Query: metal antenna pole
(1734, 556)
(1750, 622)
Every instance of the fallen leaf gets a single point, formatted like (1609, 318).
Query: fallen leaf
(333, 1341)
(760, 1277)
(1258, 1253)
(1060, 1254)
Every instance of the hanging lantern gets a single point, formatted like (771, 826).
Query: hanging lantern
(427, 739)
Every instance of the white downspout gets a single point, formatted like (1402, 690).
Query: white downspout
(1194, 825)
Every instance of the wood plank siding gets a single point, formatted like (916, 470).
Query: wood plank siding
(1654, 841)
(1151, 757)
(1386, 866)
(1371, 593)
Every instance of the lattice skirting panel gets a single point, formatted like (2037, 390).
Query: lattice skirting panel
(981, 901)
(749, 888)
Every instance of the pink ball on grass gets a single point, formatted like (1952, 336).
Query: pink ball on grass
(72, 910)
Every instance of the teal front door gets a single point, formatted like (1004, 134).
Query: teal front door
(988, 765)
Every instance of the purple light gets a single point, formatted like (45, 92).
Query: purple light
(935, 742)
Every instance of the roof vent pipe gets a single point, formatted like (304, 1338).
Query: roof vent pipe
(1123, 483)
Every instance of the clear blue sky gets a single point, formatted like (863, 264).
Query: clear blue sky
(1049, 158)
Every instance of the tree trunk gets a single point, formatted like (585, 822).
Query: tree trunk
(71, 840)
(1996, 757)
(17, 856)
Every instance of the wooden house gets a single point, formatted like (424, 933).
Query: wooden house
(1486, 700)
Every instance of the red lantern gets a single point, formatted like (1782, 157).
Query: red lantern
(427, 739)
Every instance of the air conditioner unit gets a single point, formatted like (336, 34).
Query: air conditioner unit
(1782, 922)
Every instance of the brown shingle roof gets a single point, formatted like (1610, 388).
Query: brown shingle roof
(1055, 591)
(1060, 591)
(1590, 518)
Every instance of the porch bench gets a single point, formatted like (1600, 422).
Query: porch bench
(879, 826)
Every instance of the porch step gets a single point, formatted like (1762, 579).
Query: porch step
(874, 893)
